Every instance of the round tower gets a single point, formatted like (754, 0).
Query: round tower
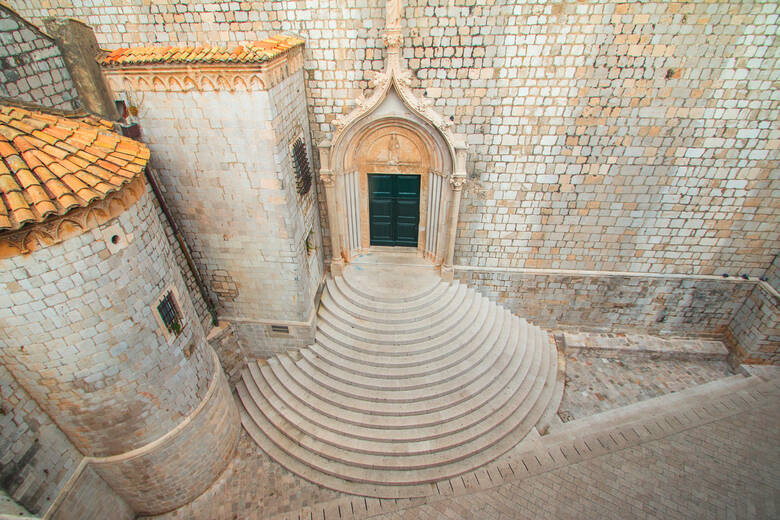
(95, 318)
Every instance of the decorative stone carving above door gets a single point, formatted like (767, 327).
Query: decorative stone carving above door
(393, 131)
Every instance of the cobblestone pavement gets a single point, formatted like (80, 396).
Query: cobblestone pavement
(596, 384)
(252, 486)
(728, 468)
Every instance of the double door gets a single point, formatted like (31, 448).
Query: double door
(394, 209)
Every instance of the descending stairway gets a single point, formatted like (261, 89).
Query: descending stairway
(411, 380)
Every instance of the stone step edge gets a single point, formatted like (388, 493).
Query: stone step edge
(401, 334)
(346, 306)
(415, 321)
(509, 339)
(438, 363)
(531, 458)
(412, 298)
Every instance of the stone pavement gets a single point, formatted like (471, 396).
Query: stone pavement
(595, 384)
(729, 468)
(708, 452)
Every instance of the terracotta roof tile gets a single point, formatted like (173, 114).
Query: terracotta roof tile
(50, 164)
(256, 52)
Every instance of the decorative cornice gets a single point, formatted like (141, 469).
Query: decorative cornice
(75, 222)
(206, 77)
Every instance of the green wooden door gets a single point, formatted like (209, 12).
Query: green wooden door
(394, 209)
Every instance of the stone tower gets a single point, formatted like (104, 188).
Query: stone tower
(97, 324)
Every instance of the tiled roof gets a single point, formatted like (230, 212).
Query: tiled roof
(50, 164)
(256, 52)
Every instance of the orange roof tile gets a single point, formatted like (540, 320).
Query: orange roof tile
(255, 52)
(45, 169)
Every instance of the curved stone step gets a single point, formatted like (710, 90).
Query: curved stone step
(401, 335)
(448, 367)
(415, 361)
(413, 321)
(432, 386)
(425, 282)
(389, 347)
(379, 304)
(372, 474)
(372, 441)
(401, 390)
(335, 408)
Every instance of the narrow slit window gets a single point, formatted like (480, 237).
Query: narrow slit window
(170, 314)
(280, 329)
(302, 170)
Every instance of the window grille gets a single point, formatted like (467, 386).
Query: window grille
(170, 314)
(301, 164)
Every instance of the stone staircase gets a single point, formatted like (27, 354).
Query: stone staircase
(411, 380)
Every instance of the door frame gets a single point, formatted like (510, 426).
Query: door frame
(395, 216)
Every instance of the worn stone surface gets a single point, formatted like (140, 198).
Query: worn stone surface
(723, 469)
(595, 384)
(36, 458)
(755, 330)
(31, 66)
(252, 486)
(607, 135)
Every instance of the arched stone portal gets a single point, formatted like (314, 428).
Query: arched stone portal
(393, 132)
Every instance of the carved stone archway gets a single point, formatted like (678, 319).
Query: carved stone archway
(422, 143)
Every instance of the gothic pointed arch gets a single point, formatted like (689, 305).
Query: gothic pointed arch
(394, 113)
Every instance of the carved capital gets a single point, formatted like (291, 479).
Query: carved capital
(393, 39)
(457, 182)
(328, 179)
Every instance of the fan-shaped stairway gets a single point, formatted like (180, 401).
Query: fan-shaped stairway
(411, 380)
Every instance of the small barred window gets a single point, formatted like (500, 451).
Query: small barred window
(170, 314)
(302, 171)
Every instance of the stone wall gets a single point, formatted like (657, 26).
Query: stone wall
(83, 340)
(31, 65)
(625, 136)
(90, 497)
(224, 163)
(36, 459)
(754, 333)
(601, 302)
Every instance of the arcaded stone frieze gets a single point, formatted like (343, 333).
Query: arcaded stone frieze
(205, 77)
(57, 229)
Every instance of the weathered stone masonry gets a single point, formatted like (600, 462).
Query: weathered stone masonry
(609, 136)
(138, 385)
(233, 188)
(31, 65)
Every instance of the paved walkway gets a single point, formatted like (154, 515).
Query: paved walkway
(729, 468)
(711, 451)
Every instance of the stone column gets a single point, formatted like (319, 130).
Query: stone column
(331, 200)
(456, 181)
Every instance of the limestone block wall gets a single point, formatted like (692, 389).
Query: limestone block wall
(80, 336)
(606, 135)
(84, 343)
(36, 458)
(91, 497)
(603, 302)
(224, 162)
(754, 333)
(31, 65)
